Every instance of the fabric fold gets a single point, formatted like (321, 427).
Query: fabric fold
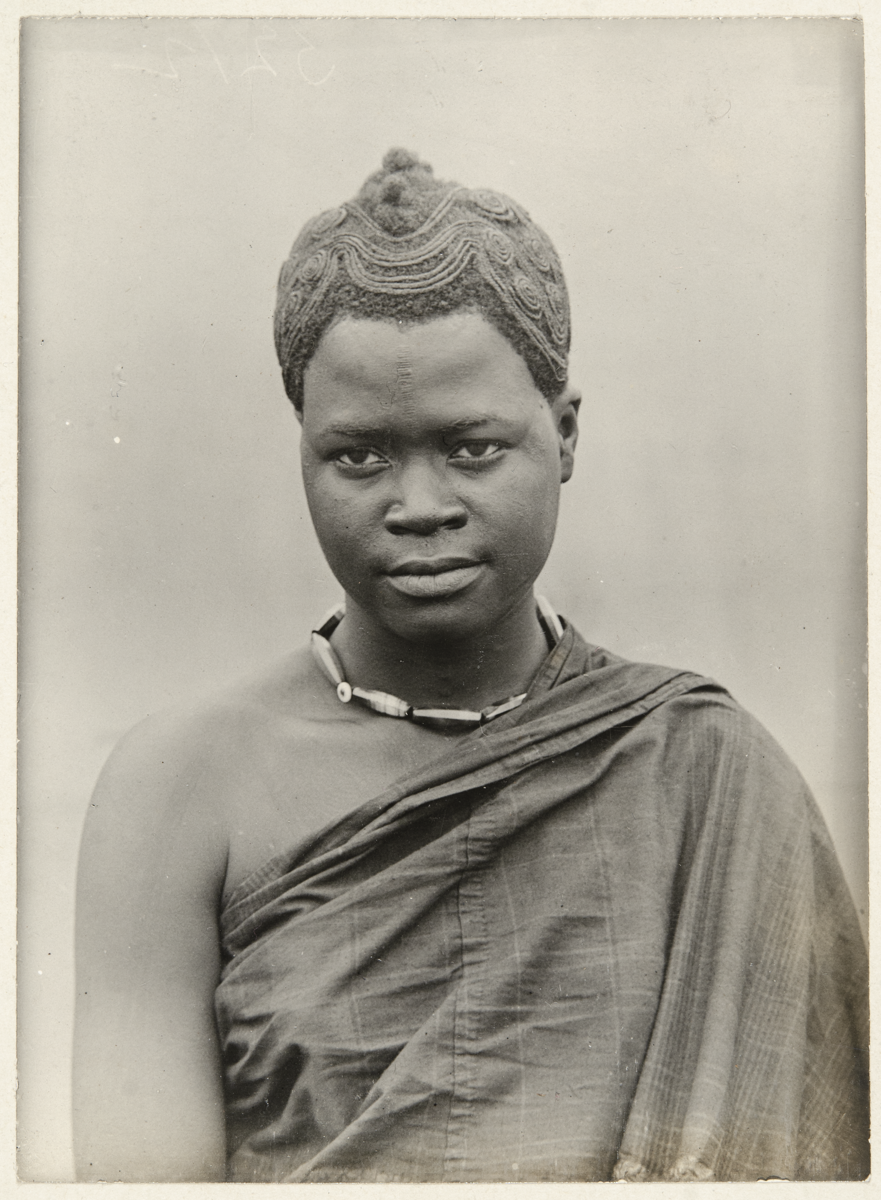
(607, 935)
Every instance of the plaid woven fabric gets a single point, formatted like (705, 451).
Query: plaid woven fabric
(607, 937)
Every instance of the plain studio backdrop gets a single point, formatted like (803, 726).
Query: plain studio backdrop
(703, 183)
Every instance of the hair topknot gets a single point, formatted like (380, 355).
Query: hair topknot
(403, 194)
(398, 159)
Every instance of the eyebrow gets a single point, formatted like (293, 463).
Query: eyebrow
(474, 422)
(455, 425)
(352, 431)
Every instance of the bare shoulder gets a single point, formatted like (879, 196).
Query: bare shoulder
(244, 775)
(178, 775)
(179, 743)
(153, 864)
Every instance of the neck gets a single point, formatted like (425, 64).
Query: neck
(467, 673)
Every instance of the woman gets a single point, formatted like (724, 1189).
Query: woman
(451, 894)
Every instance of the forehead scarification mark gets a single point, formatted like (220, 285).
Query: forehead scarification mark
(404, 385)
(404, 371)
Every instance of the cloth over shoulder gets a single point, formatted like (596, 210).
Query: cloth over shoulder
(605, 936)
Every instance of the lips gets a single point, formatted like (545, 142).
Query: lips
(430, 578)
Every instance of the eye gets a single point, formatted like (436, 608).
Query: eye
(360, 456)
(476, 451)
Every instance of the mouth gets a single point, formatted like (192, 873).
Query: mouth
(429, 578)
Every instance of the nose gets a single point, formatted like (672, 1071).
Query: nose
(424, 501)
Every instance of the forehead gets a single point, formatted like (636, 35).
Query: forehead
(446, 364)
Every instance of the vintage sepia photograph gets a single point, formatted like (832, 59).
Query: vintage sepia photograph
(442, 658)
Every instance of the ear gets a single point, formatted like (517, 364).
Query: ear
(565, 413)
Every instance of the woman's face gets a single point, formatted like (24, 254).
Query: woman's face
(432, 466)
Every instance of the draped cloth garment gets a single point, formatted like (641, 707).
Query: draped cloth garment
(604, 936)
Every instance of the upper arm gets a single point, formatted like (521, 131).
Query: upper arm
(147, 1079)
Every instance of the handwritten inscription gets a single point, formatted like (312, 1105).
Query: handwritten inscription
(257, 55)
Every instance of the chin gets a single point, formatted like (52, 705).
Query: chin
(467, 615)
(436, 621)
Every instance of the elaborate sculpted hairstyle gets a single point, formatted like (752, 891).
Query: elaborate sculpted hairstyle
(411, 247)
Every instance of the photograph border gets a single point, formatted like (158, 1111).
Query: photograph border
(868, 10)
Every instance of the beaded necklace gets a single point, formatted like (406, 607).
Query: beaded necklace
(392, 706)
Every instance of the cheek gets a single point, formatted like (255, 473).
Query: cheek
(336, 523)
(334, 516)
(527, 514)
(539, 491)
